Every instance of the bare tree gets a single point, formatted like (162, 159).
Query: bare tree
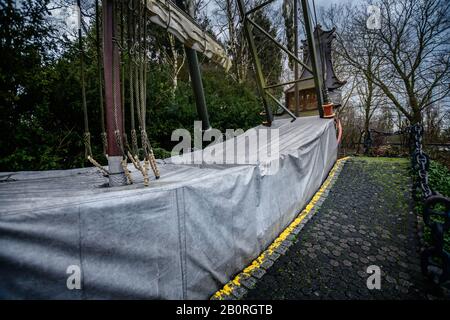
(436, 121)
(357, 68)
(410, 53)
(175, 58)
(228, 25)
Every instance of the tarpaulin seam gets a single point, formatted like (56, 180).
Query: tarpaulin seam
(184, 244)
(182, 238)
(258, 186)
(80, 251)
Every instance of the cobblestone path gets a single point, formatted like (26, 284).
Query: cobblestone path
(365, 220)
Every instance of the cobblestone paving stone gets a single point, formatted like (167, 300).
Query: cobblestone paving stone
(365, 220)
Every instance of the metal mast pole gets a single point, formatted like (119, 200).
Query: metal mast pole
(297, 98)
(114, 121)
(257, 64)
(313, 56)
(195, 73)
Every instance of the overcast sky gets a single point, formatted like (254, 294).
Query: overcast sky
(70, 14)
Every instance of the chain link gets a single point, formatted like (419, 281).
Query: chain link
(435, 261)
(420, 161)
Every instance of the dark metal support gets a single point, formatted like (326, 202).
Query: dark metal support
(288, 52)
(314, 69)
(282, 106)
(256, 62)
(197, 86)
(313, 56)
(258, 7)
(110, 59)
(114, 120)
(282, 84)
(195, 73)
(296, 95)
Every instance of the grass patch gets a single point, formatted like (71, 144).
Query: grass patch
(439, 178)
(384, 160)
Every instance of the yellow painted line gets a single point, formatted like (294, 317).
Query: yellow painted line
(236, 282)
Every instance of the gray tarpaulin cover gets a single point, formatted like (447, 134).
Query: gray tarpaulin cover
(181, 238)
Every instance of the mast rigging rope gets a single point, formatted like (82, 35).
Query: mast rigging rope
(100, 80)
(87, 134)
(131, 29)
(116, 69)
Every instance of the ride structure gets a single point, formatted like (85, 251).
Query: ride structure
(130, 42)
(305, 88)
(190, 231)
(264, 89)
(124, 37)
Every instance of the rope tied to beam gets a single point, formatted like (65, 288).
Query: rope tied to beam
(126, 171)
(100, 81)
(141, 92)
(143, 169)
(87, 144)
(137, 66)
(86, 134)
(131, 41)
(98, 166)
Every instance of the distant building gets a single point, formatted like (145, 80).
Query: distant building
(306, 89)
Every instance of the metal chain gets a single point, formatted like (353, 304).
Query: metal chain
(435, 261)
(420, 161)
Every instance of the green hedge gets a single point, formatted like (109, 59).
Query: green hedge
(439, 180)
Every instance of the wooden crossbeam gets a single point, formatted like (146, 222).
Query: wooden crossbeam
(168, 15)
